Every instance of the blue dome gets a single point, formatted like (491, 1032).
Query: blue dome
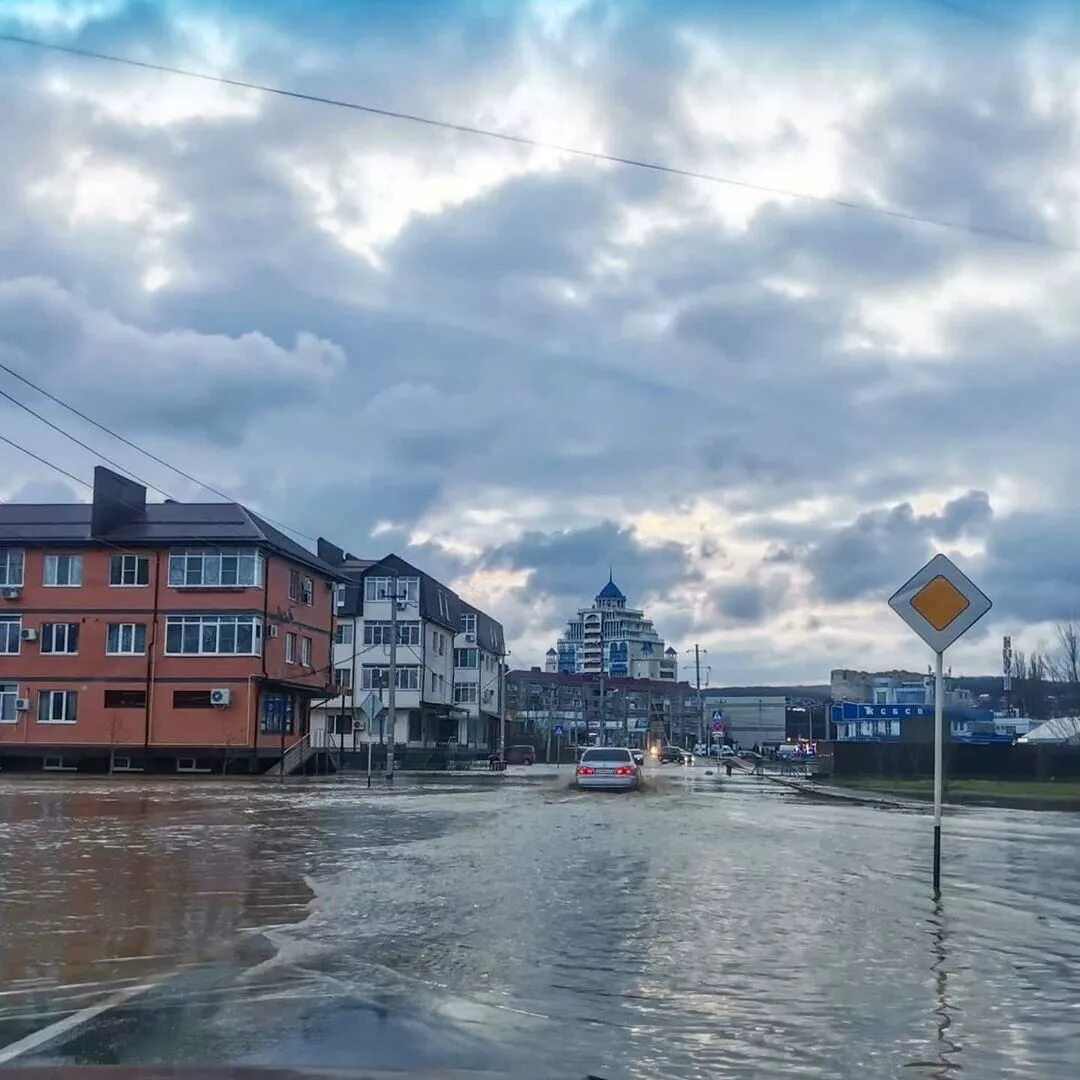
(610, 592)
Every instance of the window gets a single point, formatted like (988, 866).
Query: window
(10, 634)
(125, 699)
(434, 682)
(465, 658)
(294, 584)
(191, 699)
(465, 694)
(438, 643)
(408, 677)
(126, 570)
(343, 634)
(305, 651)
(444, 605)
(382, 588)
(378, 633)
(57, 706)
(468, 623)
(339, 725)
(231, 569)
(290, 648)
(307, 591)
(278, 713)
(9, 694)
(416, 727)
(60, 638)
(213, 635)
(63, 571)
(126, 639)
(11, 567)
(343, 678)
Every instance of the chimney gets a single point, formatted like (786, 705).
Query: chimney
(117, 501)
(329, 553)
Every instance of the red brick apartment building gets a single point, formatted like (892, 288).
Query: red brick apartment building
(170, 637)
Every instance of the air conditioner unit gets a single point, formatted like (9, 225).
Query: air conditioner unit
(12, 592)
(360, 724)
(470, 638)
(221, 698)
(28, 634)
(22, 704)
(271, 630)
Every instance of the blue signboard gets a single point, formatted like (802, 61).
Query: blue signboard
(857, 710)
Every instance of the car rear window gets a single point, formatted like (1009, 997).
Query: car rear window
(606, 754)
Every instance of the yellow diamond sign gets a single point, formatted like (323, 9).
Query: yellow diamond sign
(940, 603)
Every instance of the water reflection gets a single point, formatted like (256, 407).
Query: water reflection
(699, 931)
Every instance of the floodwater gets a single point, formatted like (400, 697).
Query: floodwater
(705, 928)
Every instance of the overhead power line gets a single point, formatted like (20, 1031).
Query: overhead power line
(85, 446)
(45, 461)
(135, 446)
(524, 140)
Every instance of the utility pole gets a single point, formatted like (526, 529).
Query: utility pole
(600, 740)
(502, 707)
(700, 700)
(392, 708)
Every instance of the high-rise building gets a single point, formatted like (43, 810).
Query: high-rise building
(610, 638)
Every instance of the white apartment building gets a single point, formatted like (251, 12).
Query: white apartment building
(612, 638)
(431, 706)
(479, 682)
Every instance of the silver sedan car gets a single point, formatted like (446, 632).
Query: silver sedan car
(608, 768)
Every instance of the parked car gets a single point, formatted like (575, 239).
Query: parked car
(608, 768)
(520, 755)
(675, 755)
(727, 751)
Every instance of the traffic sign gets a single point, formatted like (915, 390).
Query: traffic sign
(557, 731)
(940, 603)
(372, 705)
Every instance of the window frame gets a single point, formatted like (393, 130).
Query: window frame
(469, 697)
(126, 705)
(16, 621)
(70, 708)
(53, 562)
(343, 677)
(236, 620)
(466, 649)
(6, 562)
(294, 585)
(468, 622)
(218, 554)
(290, 647)
(9, 690)
(307, 591)
(381, 628)
(142, 562)
(343, 631)
(49, 632)
(410, 672)
(305, 651)
(377, 589)
(133, 628)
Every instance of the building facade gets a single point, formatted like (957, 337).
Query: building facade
(159, 636)
(750, 720)
(448, 660)
(612, 639)
(893, 688)
(635, 712)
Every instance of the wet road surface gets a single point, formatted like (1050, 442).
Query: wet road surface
(702, 928)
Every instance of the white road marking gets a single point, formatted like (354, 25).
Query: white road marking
(52, 1031)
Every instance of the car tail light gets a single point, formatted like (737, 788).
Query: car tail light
(625, 770)
(585, 770)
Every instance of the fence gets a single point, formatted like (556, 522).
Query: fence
(993, 762)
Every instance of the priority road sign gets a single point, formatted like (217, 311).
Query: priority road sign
(940, 603)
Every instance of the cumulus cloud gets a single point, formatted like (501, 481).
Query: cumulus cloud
(522, 366)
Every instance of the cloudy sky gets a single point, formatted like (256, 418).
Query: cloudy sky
(513, 365)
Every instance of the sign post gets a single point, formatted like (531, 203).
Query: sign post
(940, 603)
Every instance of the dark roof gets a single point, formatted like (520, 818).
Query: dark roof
(154, 524)
(610, 591)
(489, 632)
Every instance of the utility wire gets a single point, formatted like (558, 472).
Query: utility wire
(85, 446)
(135, 446)
(524, 140)
(45, 461)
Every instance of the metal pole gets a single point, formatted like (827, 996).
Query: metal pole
(939, 709)
(502, 707)
(392, 706)
(700, 702)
